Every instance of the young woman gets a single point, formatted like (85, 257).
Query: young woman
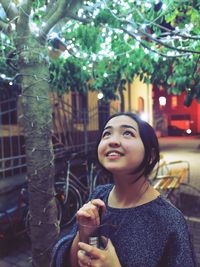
(145, 230)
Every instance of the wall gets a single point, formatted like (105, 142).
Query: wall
(139, 89)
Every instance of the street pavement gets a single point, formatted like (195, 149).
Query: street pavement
(19, 254)
(173, 148)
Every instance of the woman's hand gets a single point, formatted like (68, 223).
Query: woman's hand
(88, 214)
(89, 256)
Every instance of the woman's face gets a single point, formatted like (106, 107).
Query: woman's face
(121, 149)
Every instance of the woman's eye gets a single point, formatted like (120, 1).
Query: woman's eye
(105, 134)
(128, 133)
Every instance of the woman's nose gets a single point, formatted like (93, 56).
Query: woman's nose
(114, 141)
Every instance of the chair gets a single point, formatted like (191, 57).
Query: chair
(170, 176)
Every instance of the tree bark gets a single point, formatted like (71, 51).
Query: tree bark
(39, 153)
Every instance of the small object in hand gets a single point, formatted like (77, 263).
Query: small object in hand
(94, 241)
(100, 211)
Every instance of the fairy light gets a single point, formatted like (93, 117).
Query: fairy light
(34, 27)
(148, 5)
(107, 35)
(100, 95)
(80, 12)
(112, 54)
(126, 37)
(3, 36)
(94, 57)
(44, 24)
(164, 6)
(65, 54)
(118, 6)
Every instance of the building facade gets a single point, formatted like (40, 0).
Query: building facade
(170, 110)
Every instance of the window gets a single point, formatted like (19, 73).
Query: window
(140, 104)
(180, 117)
(8, 111)
(174, 102)
(79, 107)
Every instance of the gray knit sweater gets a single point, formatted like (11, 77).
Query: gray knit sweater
(151, 235)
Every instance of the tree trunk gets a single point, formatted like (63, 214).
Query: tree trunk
(39, 153)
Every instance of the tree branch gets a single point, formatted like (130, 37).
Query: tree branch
(167, 45)
(152, 50)
(25, 10)
(23, 21)
(4, 27)
(150, 37)
(10, 9)
(62, 10)
(51, 8)
(168, 31)
(74, 17)
(53, 19)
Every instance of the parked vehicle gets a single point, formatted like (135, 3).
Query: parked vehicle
(176, 131)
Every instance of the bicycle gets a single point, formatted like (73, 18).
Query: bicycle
(73, 191)
(12, 220)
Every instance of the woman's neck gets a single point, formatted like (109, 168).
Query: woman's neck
(125, 195)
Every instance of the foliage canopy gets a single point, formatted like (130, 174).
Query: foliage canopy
(107, 41)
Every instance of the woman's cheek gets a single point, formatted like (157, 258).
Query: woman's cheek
(100, 150)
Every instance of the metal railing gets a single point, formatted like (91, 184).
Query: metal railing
(69, 134)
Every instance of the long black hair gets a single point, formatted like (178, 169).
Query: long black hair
(149, 139)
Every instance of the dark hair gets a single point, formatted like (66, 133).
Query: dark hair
(149, 139)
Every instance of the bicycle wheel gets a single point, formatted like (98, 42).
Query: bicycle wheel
(101, 179)
(71, 206)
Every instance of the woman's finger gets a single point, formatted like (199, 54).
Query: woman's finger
(86, 217)
(83, 259)
(90, 211)
(99, 203)
(93, 252)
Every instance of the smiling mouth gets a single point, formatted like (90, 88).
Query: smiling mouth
(114, 154)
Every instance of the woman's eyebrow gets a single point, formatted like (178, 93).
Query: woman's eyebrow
(128, 126)
(121, 126)
(107, 127)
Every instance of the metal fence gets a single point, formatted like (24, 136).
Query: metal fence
(12, 150)
(71, 132)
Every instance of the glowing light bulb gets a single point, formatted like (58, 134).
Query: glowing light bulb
(162, 100)
(144, 116)
(100, 95)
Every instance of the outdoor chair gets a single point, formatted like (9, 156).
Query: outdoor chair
(169, 176)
